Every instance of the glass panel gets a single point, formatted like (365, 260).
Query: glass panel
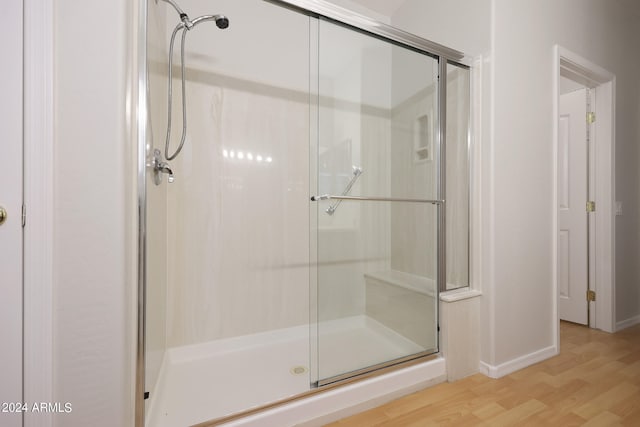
(376, 274)
(156, 220)
(457, 169)
(228, 240)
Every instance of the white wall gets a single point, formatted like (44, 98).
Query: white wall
(524, 34)
(362, 7)
(459, 24)
(92, 213)
(517, 40)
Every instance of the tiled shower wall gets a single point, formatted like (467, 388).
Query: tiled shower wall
(238, 211)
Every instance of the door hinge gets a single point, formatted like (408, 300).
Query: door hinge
(591, 117)
(591, 206)
(24, 216)
(591, 296)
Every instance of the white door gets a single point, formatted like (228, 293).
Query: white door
(11, 202)
(572, 214)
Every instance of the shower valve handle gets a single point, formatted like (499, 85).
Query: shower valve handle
(160, 167)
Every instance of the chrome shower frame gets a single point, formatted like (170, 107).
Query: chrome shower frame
(316, 8)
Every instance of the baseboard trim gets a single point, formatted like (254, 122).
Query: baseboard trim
(632, 321)
(518, 363)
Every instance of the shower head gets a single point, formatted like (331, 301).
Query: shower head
(222, 21)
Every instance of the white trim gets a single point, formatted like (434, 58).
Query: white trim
(38, 196)
(594, 76)
(518, 363)
(475, 160)
(459, 294)
(554, 192)
(341, 402)
(632, 321)
(605, 284)
(489, 224)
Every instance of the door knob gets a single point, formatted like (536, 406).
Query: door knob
(3, 215)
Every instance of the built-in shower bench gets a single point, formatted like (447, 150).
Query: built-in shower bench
(403, 302)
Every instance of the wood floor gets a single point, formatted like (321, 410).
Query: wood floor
(595, 381)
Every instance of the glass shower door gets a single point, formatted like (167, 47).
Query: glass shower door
(374, 206)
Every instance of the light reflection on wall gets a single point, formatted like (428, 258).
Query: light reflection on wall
(246, 156)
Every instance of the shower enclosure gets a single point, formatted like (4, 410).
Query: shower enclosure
(305, 236)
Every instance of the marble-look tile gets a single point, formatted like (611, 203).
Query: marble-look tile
(460, 336)
(414, 227)
(238, 217)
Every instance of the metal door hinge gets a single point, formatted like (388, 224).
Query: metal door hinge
(591, 296)
(591, 206)
(24, 216)
(591, 117)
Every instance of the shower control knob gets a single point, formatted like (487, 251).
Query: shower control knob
(3, 215)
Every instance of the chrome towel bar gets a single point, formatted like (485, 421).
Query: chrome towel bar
(374, 199)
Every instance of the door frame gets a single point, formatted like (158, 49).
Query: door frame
(602, 256)
(11, 230)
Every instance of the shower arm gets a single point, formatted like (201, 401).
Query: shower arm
(175, 6)
(221, 21)
(183, 16)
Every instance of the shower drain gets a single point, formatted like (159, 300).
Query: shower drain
(298, 370)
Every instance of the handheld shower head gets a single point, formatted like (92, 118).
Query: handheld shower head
(185, 25)
(222, 21)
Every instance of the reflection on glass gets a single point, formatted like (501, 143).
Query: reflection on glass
(457, 167)
(376, 274)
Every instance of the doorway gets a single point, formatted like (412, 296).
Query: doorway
(584, 187)
(575, 205)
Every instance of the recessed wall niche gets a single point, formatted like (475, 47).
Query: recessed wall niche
(422, 140)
